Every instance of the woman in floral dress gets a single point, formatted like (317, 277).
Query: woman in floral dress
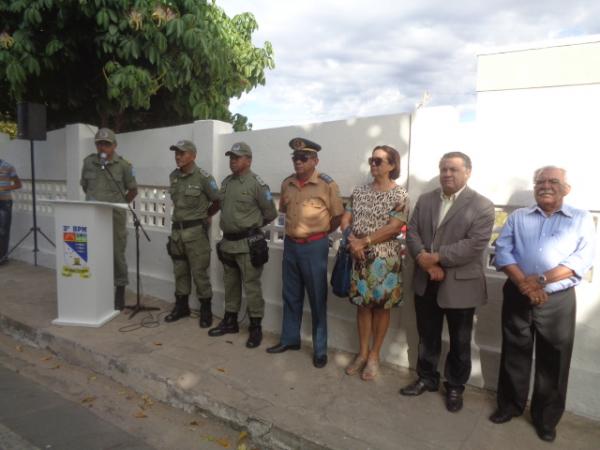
(376, 214)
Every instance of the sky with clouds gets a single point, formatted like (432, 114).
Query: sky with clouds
(337, 59)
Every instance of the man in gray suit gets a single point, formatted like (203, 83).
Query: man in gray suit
(447, 235)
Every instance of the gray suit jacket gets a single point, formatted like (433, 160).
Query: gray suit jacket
(460, 241)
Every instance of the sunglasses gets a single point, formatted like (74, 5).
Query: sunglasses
(301, 157)
(375, 161)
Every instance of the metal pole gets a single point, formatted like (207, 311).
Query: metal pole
(35, 243)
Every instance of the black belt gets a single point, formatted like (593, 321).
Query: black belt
(242, 235)
(183, 224)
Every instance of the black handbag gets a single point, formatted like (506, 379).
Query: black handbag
(342, 270)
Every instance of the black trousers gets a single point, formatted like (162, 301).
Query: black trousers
(430, 322)
(5, 219)
(552, 328)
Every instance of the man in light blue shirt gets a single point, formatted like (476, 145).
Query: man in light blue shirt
(545, 250)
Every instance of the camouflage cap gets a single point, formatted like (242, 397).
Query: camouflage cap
(240, 149)
(301, 144)
(105, 135)
(184, 145)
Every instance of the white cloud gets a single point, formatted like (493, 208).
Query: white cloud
(337, 59)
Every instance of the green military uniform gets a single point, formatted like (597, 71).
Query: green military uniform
(192, 194)
(98, 186)
(246, 205)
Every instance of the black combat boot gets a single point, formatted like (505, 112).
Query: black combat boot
(181, 309)
(255, 332)
(205, 313)
(119, 298)
(227, 325)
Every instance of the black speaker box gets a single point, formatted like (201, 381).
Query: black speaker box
(31, 121)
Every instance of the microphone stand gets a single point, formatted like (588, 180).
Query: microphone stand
(138, 226)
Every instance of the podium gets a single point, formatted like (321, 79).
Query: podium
(84, 262)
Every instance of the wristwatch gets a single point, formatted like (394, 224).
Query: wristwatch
(542, 280)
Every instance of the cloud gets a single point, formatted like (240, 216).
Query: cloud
(338, 59)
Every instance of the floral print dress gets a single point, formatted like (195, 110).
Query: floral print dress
(377, 281)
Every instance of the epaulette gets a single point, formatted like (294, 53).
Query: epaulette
(204, 172)
(173, 173)
(124, 160)
(326, 178)
(259, 180)
(291, 176)
(226, 180)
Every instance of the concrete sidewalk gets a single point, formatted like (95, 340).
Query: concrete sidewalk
(281, 400)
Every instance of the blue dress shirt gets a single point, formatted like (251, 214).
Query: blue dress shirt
(537, 243)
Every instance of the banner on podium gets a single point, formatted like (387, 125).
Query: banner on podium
(75, 248)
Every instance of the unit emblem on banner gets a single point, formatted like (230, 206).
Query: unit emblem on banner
(75, 247)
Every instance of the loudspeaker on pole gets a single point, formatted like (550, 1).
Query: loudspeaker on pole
(31, 121)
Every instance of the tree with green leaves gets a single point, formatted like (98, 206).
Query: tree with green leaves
(128, 64)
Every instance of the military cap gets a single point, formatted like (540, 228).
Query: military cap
(240, 149)
(301, 144)
(105, 135)
(184, 145)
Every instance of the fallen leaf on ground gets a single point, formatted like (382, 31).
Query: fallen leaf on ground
(89, 399)
(158, 344)
(243, 435)
(194, 423)
(140, 415)
(220, 369)
(223, 442)
(91, 377)
(122, 392)
(46, 358)
(19, 348)
(229, 342)
(55, 366)
(242, 446)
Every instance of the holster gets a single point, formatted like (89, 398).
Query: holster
(174, 254)
(259, 250)
(222, 257)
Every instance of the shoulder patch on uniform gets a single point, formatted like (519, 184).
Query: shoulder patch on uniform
(326, 178)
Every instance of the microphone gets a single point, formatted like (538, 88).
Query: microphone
(103, 160)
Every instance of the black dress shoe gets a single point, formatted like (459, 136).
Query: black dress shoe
(500, 416)
(320, 361)
(280, 348)
(545, 434)
(454, 399)
(417, 388)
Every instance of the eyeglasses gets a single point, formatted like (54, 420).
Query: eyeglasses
(375, 161)
(301, 157)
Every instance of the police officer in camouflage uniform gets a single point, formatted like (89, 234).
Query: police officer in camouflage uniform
(99, 186)
(195, 197)
(246, 206)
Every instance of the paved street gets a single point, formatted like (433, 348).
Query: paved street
(45, 403)
(32, 416)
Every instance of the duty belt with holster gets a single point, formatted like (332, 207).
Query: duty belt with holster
(257, 244)
(182, 225)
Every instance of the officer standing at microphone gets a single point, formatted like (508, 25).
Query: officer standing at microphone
(98, 185)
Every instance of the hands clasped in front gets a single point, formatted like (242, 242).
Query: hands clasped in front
(531, 287)
(430, 263)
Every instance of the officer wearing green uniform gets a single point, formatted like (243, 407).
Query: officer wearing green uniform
(195, 197)
(98, 185)
(246, 206)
